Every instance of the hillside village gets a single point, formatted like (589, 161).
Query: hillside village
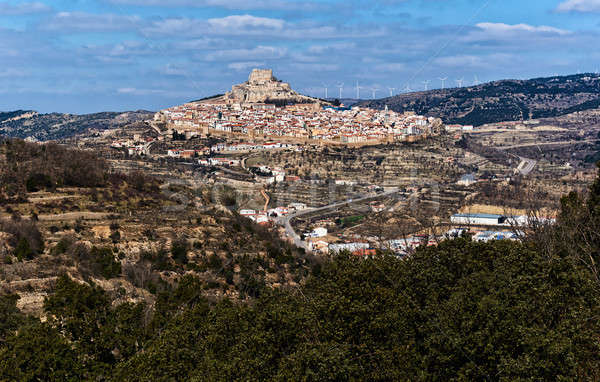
(314, 120)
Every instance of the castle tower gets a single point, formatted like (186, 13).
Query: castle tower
(261, 76)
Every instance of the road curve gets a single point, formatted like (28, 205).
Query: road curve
(290, 232)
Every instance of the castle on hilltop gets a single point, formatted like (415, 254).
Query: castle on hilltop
(263, 87)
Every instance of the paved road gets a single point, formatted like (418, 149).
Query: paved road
(557, 143)
(526, 166)
(289, 230)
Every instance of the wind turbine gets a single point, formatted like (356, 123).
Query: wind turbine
(407, 89)
(426, 84)
(460, 82)
(443, 82)
(341, 87)
(391, 91)
(358, 90)
(326, 91)
(476, 81)
(374, 92)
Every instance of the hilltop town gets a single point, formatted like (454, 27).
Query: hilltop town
(266, 107)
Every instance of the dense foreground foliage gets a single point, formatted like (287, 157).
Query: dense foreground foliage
(460, 311)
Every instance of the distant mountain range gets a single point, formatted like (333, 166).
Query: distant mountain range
(506, 100)
(45, 127)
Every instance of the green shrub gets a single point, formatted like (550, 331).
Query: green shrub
(63, 245)
(38, 182)
(214, 262)
(105, 262)
(25, 237)
(179, 250)
(23, 251)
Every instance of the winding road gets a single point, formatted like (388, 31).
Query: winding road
(287, 220)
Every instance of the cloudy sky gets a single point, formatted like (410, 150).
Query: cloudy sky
(84, 56)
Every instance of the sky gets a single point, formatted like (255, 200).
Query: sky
(82, 56)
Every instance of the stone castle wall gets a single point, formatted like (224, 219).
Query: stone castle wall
(261, 76)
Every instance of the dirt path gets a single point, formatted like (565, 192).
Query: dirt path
(74, 216)
(52, 198)
(267, 199)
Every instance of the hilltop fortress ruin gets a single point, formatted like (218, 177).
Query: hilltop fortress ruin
(263, 87)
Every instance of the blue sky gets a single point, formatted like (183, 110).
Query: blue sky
(84, 56)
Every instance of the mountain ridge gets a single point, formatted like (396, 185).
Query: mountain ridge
(500, 101)
(52, 126)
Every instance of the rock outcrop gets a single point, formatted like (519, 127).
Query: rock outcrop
(263, 87)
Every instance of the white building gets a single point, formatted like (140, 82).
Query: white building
(319, 232)
(467, 180)
(478, 219)
(494, 235)
(350, 247)
(297, 206)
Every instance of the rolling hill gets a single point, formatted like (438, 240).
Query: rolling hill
(45, 127)
(506, 100)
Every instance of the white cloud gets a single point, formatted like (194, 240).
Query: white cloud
(245, 22)
(579, 6)
(258, 53)
(243, 25)
(176, 70)
(459, 61)
(342, 46)
(9, 9)
(89, 22)
(230, 25)
(175, 26)
(201, 43)
(302, 67)
(246, 66)
(228, 4)
(501, 29)
(513, 33)
(390, 67)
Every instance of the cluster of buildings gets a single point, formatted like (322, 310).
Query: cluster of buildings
(493, 220)
(246, 146)
(266, 217)
(135, 146)
(481, 227)
(306, 121)
(489, 227)
(186, 154)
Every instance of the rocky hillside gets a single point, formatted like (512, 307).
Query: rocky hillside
(507, 100)
(126, 233)
(45, 127)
